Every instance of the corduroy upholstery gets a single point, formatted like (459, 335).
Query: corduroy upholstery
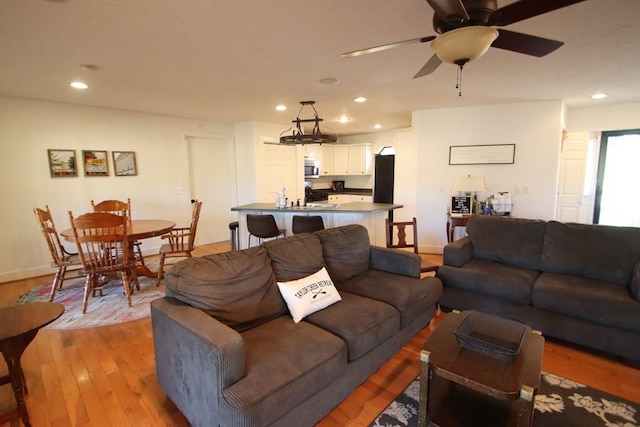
(575, 282)
(225, 360)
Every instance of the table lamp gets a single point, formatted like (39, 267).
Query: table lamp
(468, 184)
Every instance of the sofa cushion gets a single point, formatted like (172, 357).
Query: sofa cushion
(409, 295)
(309, 294)
(512, 241)
(363, 323)
(596, 252)
(286, 363)
(502, 281)
(238, 288)
(295, 257)
(591, 300)
(346, 250)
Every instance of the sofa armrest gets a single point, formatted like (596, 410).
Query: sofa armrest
(458, 253)
(395, 261)
(197, 357)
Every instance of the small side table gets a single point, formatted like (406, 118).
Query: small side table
(460, 387)
(454, 221)
(19, 325)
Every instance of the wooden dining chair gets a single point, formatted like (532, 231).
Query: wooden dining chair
(181, 240)
(119, 207)
(61, 260)
(96, 234)
(397, 239)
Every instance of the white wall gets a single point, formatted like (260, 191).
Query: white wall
(28, 128)
(605, 117)
(536, 130)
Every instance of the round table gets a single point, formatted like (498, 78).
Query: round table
(138, 229)
(19, 325)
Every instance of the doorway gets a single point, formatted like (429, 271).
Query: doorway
(212, 180)
(616, 200)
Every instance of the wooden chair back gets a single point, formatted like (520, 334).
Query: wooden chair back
(397, 234)
(97, 234)
(397, 239)
(181, 239)
(61, 259)
(103, 247)
(116, 207)
(59, 255)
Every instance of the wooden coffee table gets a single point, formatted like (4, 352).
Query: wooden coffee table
(461, 387)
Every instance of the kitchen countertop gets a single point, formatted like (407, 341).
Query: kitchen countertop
(353, 207)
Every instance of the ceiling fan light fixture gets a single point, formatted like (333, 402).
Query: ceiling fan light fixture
(464, 44)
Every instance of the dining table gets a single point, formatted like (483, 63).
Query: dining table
(138, 229)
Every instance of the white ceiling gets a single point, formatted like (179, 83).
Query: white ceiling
(233, 61)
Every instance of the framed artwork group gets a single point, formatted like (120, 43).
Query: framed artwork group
(63, 163)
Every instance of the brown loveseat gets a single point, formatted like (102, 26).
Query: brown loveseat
(576, 282)
(229, 354)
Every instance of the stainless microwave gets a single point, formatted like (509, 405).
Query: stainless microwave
(311, 169)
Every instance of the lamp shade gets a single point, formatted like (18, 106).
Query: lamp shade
(468, 184)
(464, 44)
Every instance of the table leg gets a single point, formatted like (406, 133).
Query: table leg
(424, 388)
(12, 352)
(449, 232)
(526, 406)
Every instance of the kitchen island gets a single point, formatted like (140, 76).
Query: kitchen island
(370, 215)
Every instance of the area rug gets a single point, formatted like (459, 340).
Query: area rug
(109, 309)
(560, 403)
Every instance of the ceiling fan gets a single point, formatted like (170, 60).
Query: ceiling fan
(465, 31)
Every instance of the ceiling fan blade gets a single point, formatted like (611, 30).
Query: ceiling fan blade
(386, 46)
(525, 9)
(429, 67)
(524, 43)
(449, 10)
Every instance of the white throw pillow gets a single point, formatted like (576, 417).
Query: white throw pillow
(309, 294)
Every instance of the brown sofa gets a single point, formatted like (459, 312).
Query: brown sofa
(576, 282)
(229, 354)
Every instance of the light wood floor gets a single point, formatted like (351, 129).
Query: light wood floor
(106, 376)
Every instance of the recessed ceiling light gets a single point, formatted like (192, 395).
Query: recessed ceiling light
(360, 99)
(599, 95)
(329, 81)
(343, 119)
(281, 107)
(377, 126)
(79, 85)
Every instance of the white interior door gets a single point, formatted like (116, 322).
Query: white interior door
(212, 180)
(573, 163)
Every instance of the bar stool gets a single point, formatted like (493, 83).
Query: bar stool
(306, 224)
(263, 227)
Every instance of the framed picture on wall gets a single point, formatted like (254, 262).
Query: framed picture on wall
(62, 163)
(124, 163)
(95, 163)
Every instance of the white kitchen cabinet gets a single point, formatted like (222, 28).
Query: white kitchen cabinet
(355, 159)
(311, 152)
(341, 160)
(280, 169)
(356, 198)
(360, 159)
(326, 161)
(337, 198)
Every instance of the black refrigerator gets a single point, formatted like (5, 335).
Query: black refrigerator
(383, 179)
